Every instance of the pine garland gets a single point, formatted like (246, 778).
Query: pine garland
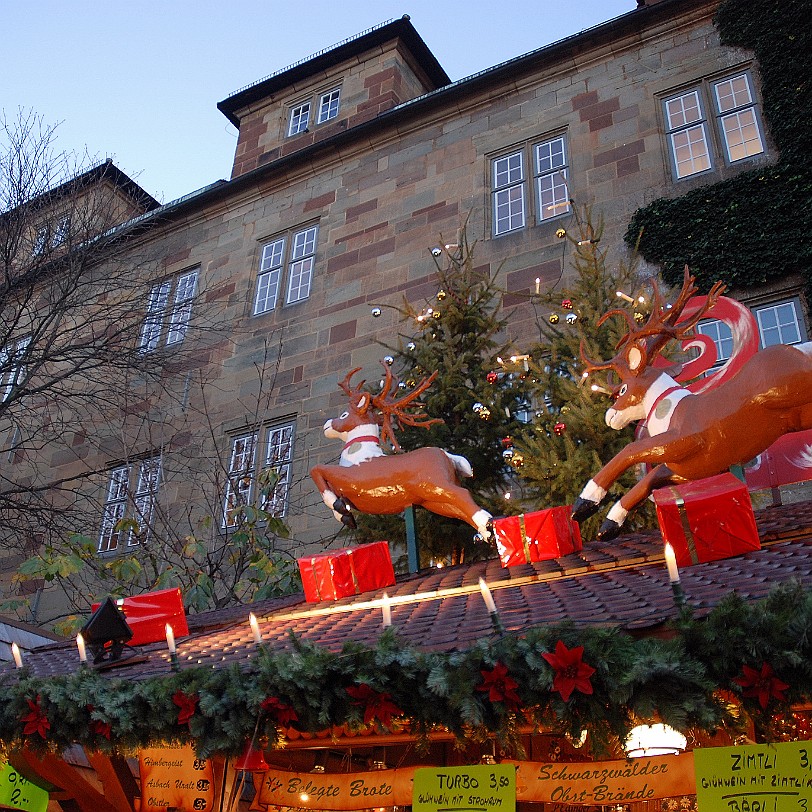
(695, 679)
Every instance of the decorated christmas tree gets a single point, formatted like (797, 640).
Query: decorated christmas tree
(566, 440)
(458, 334)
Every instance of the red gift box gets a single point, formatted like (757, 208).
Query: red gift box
(339, 573)
(707, 519)
(536, 536)
(148, 614)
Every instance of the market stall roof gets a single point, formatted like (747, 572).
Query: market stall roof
(621, 583)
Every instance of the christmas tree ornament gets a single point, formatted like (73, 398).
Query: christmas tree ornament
(411, 383)
(435, 314)
(388, 360)
(560, 233)
(441, 294)
(376, 311)
(518, 460)
(559, 428)
(508, 454)
(507, 442)
(484, 413)
(411, 346)
(492, 377)
(571, 318)
(401, 385)
(639, 317)
(553, 318)
(478, 407)
(567, 304)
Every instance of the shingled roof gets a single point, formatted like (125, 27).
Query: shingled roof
(621, 583)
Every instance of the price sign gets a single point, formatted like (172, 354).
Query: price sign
(478, 788)
(17, 792)
(757, 778)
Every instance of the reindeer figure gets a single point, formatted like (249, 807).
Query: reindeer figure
(371, 481)
(692, 436)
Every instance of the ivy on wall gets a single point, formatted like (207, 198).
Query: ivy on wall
(753, 228)
(745, 660)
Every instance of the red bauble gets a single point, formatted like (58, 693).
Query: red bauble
(560, 428)
(567, 304)
(507, 442)
(492, 377)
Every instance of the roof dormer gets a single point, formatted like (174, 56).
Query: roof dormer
(330, 92)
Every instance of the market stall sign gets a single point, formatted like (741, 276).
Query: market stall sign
(176, 777)
(17, 792)
(756, 778)
(478, 788)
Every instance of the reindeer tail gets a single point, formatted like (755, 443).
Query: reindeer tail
(461, 465)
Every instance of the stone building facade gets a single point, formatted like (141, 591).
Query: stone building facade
(351, 165)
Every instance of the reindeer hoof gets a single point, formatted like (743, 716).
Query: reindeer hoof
(583, 509)
(609, 530)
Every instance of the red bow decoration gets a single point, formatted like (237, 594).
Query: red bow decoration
(761, 684)
(187, 704)
(571, 672)
(36, 721)
(281, 711)
(499, 686)
(376, 705)
(97, 726)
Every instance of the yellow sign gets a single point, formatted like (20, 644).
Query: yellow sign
(479, 788)
(175, 777)
(17, 792)
(757, 778)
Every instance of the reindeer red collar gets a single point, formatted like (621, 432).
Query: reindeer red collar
(371, 481)
(692, 437)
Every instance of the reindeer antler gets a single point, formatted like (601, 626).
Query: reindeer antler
(345, 384)
(392, 409)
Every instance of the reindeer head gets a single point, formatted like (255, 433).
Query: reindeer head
(638, 363)
(381, 409)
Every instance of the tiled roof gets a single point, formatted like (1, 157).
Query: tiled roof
(617, 583)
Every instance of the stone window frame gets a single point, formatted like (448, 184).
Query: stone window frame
(277, 443)
(169, 310)
(695, 115)
(132, 486)
(512, 207)
(289, 259)
(320, 107)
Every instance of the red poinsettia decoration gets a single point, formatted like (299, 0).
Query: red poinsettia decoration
(571, 672)
(97, 726)
(376, 704)
(36, 721)
(187, 704)
(281, 711)
(499, 686)
(761, 684)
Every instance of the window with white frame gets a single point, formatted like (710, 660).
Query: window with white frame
(131, 492)
(299, 118)
(778, 323)
(12, 366)
(288, 259)
(694, 145)
(169, 309)
(246, 483)
(328, 105)
(510, 199)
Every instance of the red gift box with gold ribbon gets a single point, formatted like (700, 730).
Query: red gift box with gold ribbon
(340, 573)
(536, 536)
(708, 519)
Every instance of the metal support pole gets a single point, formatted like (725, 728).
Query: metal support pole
(412, 549)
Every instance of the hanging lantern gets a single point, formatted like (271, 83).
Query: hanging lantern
(251, 760)
(492, 377)
(571, 318)
(441, 294)
(654, 740)
(376, 311)
(388, 360)
(553, 318)
(567, 304)
(559, 428)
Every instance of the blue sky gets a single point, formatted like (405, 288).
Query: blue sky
(139, 81)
